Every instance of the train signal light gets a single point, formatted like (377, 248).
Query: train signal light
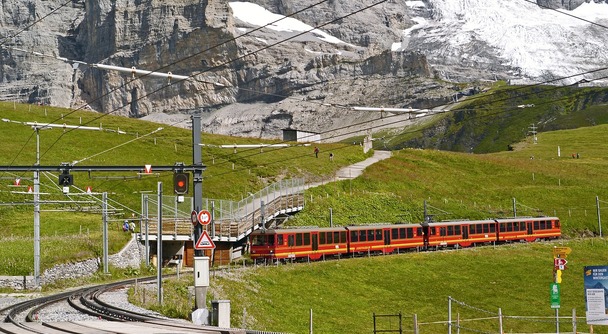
(180, 183)
(66, 179)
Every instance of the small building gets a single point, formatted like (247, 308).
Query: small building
(301, 136)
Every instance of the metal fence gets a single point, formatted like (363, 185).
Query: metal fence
(231, 220)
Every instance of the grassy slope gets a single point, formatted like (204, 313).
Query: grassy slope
(491, 121)
(62, 232)
(344, 294)
(459, 185)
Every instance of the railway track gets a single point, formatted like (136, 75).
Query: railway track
(94, 316)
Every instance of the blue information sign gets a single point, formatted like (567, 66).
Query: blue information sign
(596, 282)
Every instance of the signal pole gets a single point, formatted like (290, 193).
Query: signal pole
(201, 263)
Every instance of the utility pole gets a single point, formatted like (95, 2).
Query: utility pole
(534, 132)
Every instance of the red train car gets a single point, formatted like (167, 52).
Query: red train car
(384, 238)
(298, 243)
(317, 243)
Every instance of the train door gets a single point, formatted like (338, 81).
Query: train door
(425, 235)
(529, 228)
(387, 237)
(315, 241)
(465, 232)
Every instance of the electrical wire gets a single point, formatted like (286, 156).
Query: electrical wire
(235, 59)
(249, 54)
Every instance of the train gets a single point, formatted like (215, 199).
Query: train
(316, 243)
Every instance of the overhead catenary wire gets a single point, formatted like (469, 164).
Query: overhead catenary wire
(163, 67)
(239, 58)
(255, 152)
(273, 45)
(244, 55)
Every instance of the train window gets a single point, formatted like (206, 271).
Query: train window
(410, 232)
(536, 225)
(307, 238)
(419, 231)
(502, 227)
(280, 239)
(362, 236)
(258, 240)
(343, 237)
(542, 225)
(298, 239)
(457, 230)
(330, 237)
(471, 229)
(271, 240)
(557, 224)
(492, 228)
(290, 242)
(322, 238)
(486, 228)
(370, 235)
(450, 230)
(336, 237)
(522, 226)
(479, 228)
(442, 231)
(509, 227)
(378, 234)
(395, 233)
(354, 236)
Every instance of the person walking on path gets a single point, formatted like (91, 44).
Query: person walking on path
(316, 152)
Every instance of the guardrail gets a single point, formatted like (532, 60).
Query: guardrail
(231, 220)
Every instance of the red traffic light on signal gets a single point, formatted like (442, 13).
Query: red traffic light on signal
(180, 183)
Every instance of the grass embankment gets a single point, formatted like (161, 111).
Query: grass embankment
(76, 234)
(344, 294)
(460, 185)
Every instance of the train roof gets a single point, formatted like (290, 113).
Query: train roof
(489, 221)
(299, 230)
(368, 227)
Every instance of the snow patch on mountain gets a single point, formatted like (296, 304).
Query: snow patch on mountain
(258, 16)
(535, 42)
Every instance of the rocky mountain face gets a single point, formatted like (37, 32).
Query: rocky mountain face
(245, 81)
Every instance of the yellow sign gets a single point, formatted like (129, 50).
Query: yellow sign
(561, 251)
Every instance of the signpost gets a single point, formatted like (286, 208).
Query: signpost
(559, 264)
(555, 296)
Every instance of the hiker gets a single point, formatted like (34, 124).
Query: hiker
(316, 152)
(331, 156)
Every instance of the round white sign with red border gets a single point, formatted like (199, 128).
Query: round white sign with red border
(204, 217)
(194, 217)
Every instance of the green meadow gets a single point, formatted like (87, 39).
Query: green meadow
(71, 226)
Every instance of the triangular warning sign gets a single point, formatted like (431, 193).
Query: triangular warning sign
(17, 181)
(204, 242)
(148, 169)
(89, 189)
(29, 189)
